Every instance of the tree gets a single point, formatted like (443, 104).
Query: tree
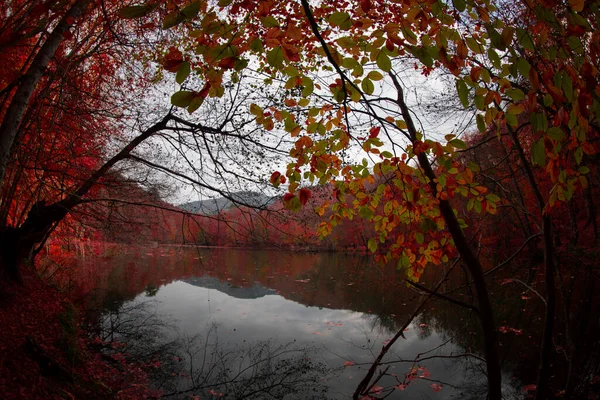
(73, 110)
(541, 73)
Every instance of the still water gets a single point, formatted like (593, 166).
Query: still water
(229, 323)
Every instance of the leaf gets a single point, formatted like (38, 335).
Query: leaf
(401, 124)
(367, 86)
(275, 178)
(224, 3)
(269, 22)
(195, 104)
(460, 5)
(256, 110)
(463, 92)
(538, 152)
(372, 245)
(173, 19)
(556, 133)
(525, 39)
(383, 62)
(539, 122)
(577, 5)
(341, 20)
(474, 45)
(275, 57)
(375, 76)
(480, 123)
(308, 86)
(133, 12)
(183, 72)
(256, 45)
(419, 238)
(182, 98)
(515, 94)
(304, 194)
(191, 10)
(459, 144)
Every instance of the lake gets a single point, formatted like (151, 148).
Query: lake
(232, 323)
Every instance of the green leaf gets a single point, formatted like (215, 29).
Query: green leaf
(341, 19)
(308, 85)
(182, 98)
(270, 22)
(367, 86)
(575, 44)
(182, 72)
(133, 12)
(375, 76)
(479, 102)
(372, 245)
(365, 212)
(523, 67)
(173, 19)
(515, 94)
(492, 198)
(567, 86)
(224, 3)
(191, 10)
(556, 133)
(404, 261)
(474, 45)
(459, 144)
(539, 122)
(349, 63)
(511, 119)
(578, 155)
(494, 58)
(477, 206)
(419, 238)
(256, 45)
(195, 104)
(384, 62)
(463, 92)
(538, 152)
(460, 5)
(480, 123)
(525, 39)
(275, 57)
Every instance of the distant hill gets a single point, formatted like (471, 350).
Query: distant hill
(214, 206)
(253, 292)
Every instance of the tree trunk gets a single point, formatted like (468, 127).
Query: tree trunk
(18, 243)
(486, 315)
(16, 109)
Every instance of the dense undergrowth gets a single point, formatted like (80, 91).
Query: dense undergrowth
(44, 354)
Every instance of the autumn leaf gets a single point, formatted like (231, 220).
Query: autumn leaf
(304, 194)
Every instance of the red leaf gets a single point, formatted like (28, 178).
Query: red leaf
(173, 59)
(304, 196)
(227, 63)
(275, 177)
(365, 5)
(374, 132)
(287, 197)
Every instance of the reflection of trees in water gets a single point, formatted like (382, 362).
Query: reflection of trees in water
(201, 365)
(256, 370)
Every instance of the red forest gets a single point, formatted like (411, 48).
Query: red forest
(109, 108)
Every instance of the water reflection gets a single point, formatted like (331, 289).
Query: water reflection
(312, 322)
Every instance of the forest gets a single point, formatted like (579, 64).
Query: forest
(452, 144)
